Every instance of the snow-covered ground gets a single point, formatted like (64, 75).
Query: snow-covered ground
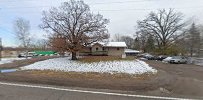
(66, 65)
(9, 60)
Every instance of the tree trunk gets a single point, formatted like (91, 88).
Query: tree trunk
(26, 54)
(74, 56)
(191, 53)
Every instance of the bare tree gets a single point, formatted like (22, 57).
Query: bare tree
(78, 25)
(141, 38)
(200, 27)
(165, 26)
(128, 40)
(40, 44)
(150, 44)
(117, 37)
(22, 30)
(58, 43)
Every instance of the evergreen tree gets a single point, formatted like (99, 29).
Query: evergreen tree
(150, 46)
(194, 40)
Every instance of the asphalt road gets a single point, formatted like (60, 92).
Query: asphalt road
(28, 93)
(11, 91)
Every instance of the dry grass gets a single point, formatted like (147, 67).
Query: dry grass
(90, 75)
(90, 59)
(20, 63)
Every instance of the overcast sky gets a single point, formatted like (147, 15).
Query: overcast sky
(123, 14)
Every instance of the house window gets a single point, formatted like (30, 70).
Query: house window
(103, 48)
(90, 49)
(97, 49)
(118, 48)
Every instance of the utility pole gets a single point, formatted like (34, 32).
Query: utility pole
(0, 49)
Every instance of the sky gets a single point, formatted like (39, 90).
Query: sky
(123, 14)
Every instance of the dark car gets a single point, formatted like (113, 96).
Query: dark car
(161, 57)
(149, 57)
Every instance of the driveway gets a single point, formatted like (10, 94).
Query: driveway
(188, 78)
(180, 70)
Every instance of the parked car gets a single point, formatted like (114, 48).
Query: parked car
(161, 57)
(30, 54)
(167, 59)
(149, 57)
(142, 55)
(178, 60)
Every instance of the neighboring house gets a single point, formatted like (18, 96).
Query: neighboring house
(105, 49)
(15, 51)
(11, 52)
(131, 52)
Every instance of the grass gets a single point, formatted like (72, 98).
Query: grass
(94, 75)
(3, 68)
(20, 63)
(90, 59)
(10, 57)
(91, 75)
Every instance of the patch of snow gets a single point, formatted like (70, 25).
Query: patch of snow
(111, 44)
(9, 60)
(101, 43)
(116, 44)
(67, 65)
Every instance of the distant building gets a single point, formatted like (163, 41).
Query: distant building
(105, 49)
(15, 51)
(131, 52)
(11, 52)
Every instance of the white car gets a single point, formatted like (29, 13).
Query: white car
(167, 59)
(178, 60)
(30, 54)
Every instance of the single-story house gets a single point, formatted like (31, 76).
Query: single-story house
(11, 52)
(131, 52)
(105, 49)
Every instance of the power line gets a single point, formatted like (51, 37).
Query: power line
(122, 2)
(119, 2)
(117, 10)
(27, 7)
(98, 3)
(152, 9)
(5, 30)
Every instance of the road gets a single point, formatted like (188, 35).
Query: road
(12, 91)
(188, 78)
